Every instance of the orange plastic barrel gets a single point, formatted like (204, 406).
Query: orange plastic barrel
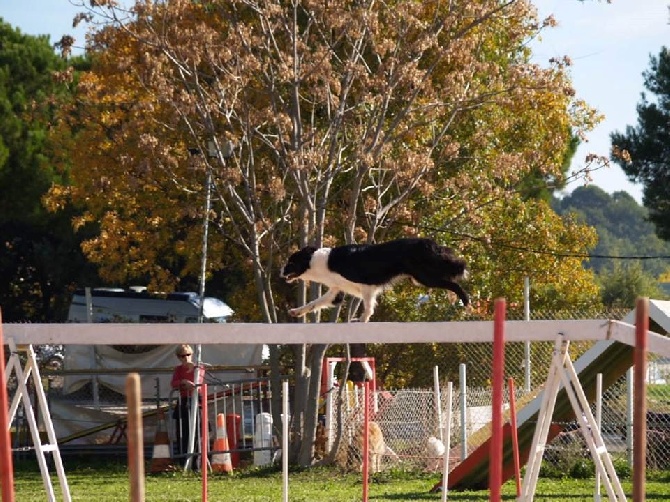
(234, 432)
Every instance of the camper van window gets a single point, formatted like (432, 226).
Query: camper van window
(117, 305)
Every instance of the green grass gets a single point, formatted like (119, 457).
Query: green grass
(108, 482)
(659, 398)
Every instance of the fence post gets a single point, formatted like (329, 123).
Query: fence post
(629, 416)
(526, 344)
(438, 400)
(447, 443)
(284, 428)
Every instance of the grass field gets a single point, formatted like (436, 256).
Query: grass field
(659, 398)
(108, 482)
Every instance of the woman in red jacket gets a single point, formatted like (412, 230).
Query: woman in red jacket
(183, 378)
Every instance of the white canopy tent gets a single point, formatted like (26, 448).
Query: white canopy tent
(99, 358)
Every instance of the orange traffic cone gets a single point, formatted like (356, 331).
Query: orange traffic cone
(161, 460)
(221, 462)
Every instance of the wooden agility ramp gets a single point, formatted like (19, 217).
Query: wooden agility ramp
(610, 358)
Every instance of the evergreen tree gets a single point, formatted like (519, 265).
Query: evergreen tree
(643, 151)
(40, 256)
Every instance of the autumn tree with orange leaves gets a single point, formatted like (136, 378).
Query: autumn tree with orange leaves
(318, 123)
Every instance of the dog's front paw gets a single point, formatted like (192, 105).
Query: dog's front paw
(297, 312)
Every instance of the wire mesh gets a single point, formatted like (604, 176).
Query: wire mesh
(407, 418)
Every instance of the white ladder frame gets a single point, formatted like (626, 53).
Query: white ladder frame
(22, 375)
(563, 372)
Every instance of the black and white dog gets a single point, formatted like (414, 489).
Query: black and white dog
(365, 270)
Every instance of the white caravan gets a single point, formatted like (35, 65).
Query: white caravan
(137, 305)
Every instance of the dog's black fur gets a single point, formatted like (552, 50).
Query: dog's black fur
(365, 270)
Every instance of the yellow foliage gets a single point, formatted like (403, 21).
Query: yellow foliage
(371, 121)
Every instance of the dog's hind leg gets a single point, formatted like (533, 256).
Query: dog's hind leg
(331, 298)
(456, 288)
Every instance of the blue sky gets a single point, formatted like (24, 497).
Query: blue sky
(609, 45)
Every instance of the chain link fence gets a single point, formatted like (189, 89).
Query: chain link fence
(91, 420)
(410, 419)
(407, 418)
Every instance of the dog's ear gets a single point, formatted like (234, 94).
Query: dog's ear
(309, 249)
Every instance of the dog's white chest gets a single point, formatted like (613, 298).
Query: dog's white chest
(321, 273)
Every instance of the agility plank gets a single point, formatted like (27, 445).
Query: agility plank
(610, 358)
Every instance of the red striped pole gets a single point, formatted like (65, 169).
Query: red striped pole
(204, 447)
(640, 399)
(6, 466)
(515, 437)
(366, 439)
(495, 466)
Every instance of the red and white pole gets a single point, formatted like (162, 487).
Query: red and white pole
(515, 436)
(366, 439)
(6, 466)
(204, 435)
(495, 466)
(640, 399)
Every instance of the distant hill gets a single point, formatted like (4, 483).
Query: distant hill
(622, 226)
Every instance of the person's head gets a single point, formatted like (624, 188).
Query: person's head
(184, 352)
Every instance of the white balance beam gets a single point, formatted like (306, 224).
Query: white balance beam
(299, 333)
(331, 333)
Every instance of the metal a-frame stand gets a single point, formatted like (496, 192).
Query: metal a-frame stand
(23, 375)
(562, 371)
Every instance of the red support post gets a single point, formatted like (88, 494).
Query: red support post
(640, 399)
(6, 466)
(204, 436)
(495, 470)
(515, 437)
(366, 439)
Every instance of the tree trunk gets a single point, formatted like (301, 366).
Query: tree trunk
(300, 403)
(276, 385)
(311, 411)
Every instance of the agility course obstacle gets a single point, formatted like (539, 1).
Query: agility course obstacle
(6, 465)
(25, 373)
(612, 359)
(600, 366)
(333, 333)
(135, 439)
(614, 339)
(562, 371)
